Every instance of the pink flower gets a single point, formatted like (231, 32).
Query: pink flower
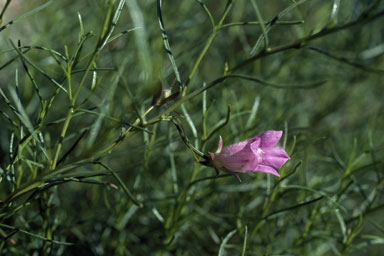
(258, 154)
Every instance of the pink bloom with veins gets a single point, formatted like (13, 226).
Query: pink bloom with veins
(258, 154)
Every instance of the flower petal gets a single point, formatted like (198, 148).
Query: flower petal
(255, 147)
(274, 157)
(233, 149)
(269, 138)
(266, 169)
(244, 160)
(239, 162)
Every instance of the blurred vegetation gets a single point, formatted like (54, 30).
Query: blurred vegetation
(94, 163)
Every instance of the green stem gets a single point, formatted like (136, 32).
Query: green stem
(62, 135)
(172, 221)
(34, 235)
(207, 45)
